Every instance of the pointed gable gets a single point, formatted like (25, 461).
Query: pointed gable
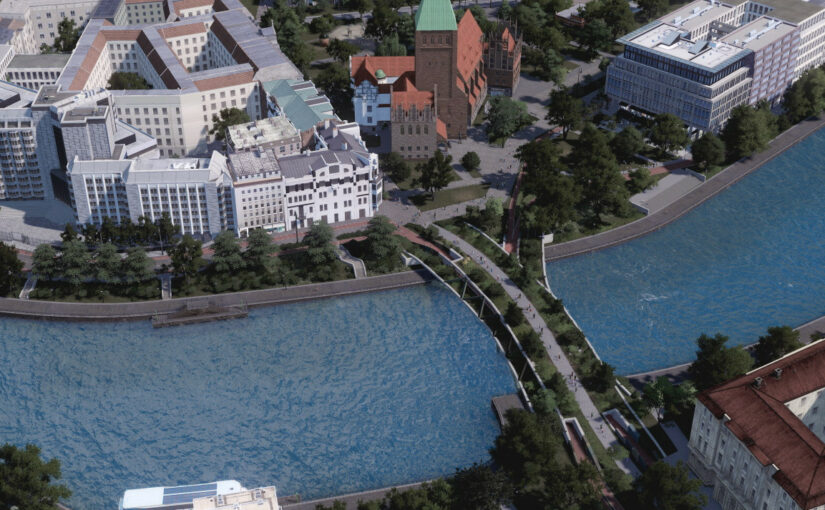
(470, 46)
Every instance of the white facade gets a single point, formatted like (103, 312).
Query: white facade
(196, 193)
(258, 191)
(371, 107)
(275, 132)
(41, 18)
(35, 71)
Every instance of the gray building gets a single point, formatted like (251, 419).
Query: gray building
(34, 71)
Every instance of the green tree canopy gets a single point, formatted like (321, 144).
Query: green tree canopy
(436, 172)
(44, 262)
(121, 80)
(506, 116)
(137, 266)
(779, 341)
(594, 36)
(382, 244)
(74, 263)
(716, 363)
(806, 96)
(320, 250)
(627, 143)
(748, 131)
(259, 249)
(707, 151)
(663, 394)
(107, 263)
(322, 25)
(290, 29)
(227, 257)
(470, 161)
(166, 230)
(67, 36)
(342, 50)
(69, 233)
(640, 180)
(556, 194)
(10, 267)
(394, 165)
(334, 79)
(565, 110)
(669, 133)
(228, 117)
(653, 8)
(479, 488)
(666, 487)
(616, 14)
(390, 46)
(26, 482)
(383, 22)
(597, 173)
(187, 256)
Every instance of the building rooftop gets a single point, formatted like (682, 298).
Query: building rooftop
(268, 130)
(261, 163)
(300, 102)
(755, 404)
(793, 11)
(156, 496)
(435, 15)
(758, 34)
(50, 60)
(264, 498)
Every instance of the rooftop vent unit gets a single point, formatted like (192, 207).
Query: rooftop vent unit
(757, 382)
(777, 372)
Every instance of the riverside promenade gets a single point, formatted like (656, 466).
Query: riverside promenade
(718, 183)
(140, 310)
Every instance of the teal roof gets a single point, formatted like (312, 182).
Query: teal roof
(380, 74)
(300, 102)
(435, 15)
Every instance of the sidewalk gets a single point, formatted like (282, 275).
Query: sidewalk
(557, 356)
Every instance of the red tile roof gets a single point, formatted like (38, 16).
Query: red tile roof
(406, 95)
(772, 433)
(470, 47)
(364, 67)
(441, 129)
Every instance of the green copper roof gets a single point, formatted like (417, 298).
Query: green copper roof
(380, 74)
(435, 15)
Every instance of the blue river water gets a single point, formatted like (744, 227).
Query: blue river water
(749, 258)
(317, 398)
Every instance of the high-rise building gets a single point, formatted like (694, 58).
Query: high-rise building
(704, 59)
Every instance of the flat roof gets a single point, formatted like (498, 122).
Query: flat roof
(160, 496)
(668, 39)
(45, 60)
(695, 14)
(270, 129)
(758, 33)
(794, 11)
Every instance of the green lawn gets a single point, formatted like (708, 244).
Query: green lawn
(608, 222)
(450, 196)
(570, 65)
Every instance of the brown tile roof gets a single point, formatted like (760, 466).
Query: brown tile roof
(441, 129)
(189, 4)
(470, 46)
(181, 29)
(772, 433)
(225, 81)
(364, 67)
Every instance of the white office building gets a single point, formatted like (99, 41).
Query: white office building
(35, 71)
(704, 59)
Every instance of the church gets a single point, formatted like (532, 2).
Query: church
(436, 94)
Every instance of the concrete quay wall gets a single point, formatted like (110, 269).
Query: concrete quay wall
(141, 310)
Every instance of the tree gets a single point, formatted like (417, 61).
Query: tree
(121, 80)
(406, 30)
(669, 132)
(228, 117)
(565, 110)
(361, 6)
(597, 174)
(322, 25)
(342, 50)
(779, 341)
(594, 36)
(91, 235)
(653, 8)
(69, 233)
(603, 377)
(640, 180)
(470, 161)
(289, 28)
(435, 173)
(654, 397)
(74, 263)
(26, 482)
(44, 263)
(320, 251)
(335, 81)
(492, 215)
(107, 263)
(227, 257)
(666, 487)
(748, 131)
(627, 143)
(506, 116)
(715, 363)
(166, 230)
(616, 14)
(391, 47)
(806, 96)
(707, 151)
(395, 166)
(187, 257)
(556, 194)
(259, 249)
(382, 244)
(137, 266)
(10, 267)
(479, 488)
(67, 35)
(383, 21)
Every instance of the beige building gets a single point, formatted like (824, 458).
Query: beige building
(759, 440)
(264, 498)
(277, 133)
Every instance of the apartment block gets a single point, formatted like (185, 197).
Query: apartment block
(195, 192)
(258, 190)
(35, 71)
(27, 24)
(704, 59)
(759, 440)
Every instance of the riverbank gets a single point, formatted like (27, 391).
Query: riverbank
(687, 203)
(64, 311)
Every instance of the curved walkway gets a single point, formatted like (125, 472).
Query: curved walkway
(554, 351)
(676, 210)
(57, 310)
